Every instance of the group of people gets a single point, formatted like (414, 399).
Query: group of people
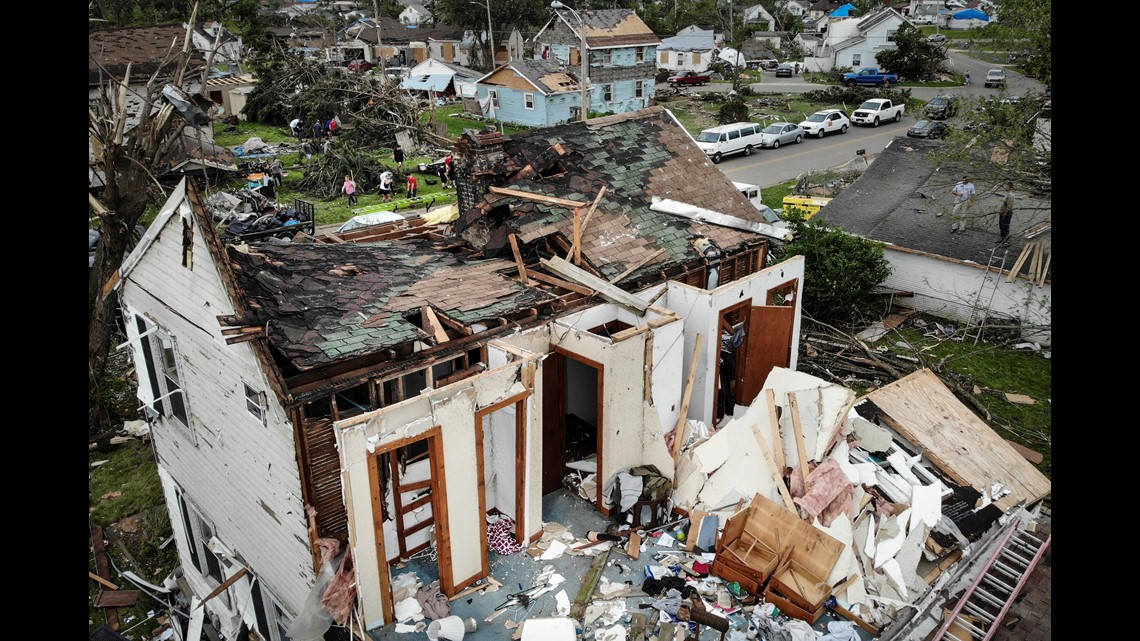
(320, 128)
(964, 194)
(386, 189)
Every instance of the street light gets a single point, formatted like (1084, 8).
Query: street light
(490, 34)
(581, 55)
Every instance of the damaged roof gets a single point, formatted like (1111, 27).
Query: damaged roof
(636, 156)
(610, 27)
(110, 50)
(190, 153)
(325, 303)
(548, 76)
(898, 198)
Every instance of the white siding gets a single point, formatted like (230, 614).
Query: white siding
(242, 474)
(951, 289)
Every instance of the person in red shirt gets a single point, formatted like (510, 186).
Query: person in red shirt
(413, 186)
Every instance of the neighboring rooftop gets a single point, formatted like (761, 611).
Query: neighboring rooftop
(109, 51)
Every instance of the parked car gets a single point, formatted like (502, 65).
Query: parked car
(779, 133)
(769, 64)
(739, 137)
(995, 78)
(359, 65)
(929, 129)
(943, 106)
(936, 38)
(784, 70)
(877, 110)
(825, 122)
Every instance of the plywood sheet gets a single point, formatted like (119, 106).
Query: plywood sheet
(925, 412)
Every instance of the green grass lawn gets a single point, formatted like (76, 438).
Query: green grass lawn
(457, 120)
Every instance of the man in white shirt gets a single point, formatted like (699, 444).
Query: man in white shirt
(964, 193)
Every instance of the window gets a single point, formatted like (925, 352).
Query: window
(696, 57)
(856, 59)
(160, 357)
(608, 57)
(891, 35)
(639, 89)
(640, 55)
(494, 95)
(255, 402)
(664, 58)
(734, 134)
(199, 531)
(528, 100)
(607, 92)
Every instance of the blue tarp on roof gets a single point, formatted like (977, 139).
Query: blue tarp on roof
(970, 14)
(844, 11)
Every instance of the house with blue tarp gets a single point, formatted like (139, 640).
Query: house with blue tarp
(967, 19)
(845, 11)
(536, 93)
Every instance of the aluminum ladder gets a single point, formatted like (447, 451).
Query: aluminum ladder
(996, 587)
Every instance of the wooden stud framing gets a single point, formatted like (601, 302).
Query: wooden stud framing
(542, 198)
(801, 450)
(682, 423)
(777, 439)
(776, 473)
(518, 259)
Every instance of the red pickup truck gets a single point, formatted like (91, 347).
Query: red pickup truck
(688, 78)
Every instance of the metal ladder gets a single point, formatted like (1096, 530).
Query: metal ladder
(997, 586)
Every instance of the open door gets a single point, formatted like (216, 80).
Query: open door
(768, 343)
(572, 418)
(500, 444)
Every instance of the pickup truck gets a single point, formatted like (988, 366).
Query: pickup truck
(688, 78)
(878, 110)
(870, 77)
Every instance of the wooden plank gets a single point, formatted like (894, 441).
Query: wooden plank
(576, 248)
(575, 254)
(428, 315)
(606, 290)
(589, 583)
(542, 198)
(1029, 455)
(103, 567)
(633, 548)
(415, 485)
(1045, 269)
(777, 439)
(518, 258)
(856, 619)
(117, 598)
(801, 450)
(682, 422)
(777, 477)
(639, 264)
(225, 585)
(102, 580)
(564, 284)
(1020, 261)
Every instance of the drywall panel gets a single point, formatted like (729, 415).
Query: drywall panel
(535, 340)
(623, 407)
(499, 449)
(456, 415)
(667, 379)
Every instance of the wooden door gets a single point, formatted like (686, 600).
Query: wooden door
(768, 344)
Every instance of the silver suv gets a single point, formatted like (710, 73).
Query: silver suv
(826, 121)
(995, 78)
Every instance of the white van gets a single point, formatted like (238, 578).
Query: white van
(752, 193)
(726, 140)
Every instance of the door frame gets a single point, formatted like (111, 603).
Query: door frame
(519, 401)
(599, 395)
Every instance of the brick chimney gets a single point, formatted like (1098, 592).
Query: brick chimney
(476, 155)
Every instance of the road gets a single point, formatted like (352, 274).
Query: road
(767, 167)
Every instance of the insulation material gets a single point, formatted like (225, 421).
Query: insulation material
(842, 505)
(841, 454)
(340, 595)
(872, 438)
(825, 483)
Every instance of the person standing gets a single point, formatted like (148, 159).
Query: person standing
(295, 128)
(307, 147)
(318, 129)
(413, 186)
(398, 155)
(967, 77)
(327, 146)
(386, 186)
(349, 189)
(964, 193)
(1005, 215)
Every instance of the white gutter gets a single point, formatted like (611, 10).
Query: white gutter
(700, 214)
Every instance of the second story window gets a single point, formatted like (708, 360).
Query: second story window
(607, 92)
(640, 54)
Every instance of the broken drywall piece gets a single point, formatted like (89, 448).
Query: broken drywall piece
(409, 610)
(908, 558)
(835, 402)
(554, 551)
(563, 602)
(614, 633)
(891, 568)
(872, 438)
(902, 464)
(741, 475)
(605, 612)
(841, 530)
(926, 505)
(841, 454)
(1020, 399)
(890, 538)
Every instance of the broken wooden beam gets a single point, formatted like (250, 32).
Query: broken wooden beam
(432, 323)
(777, 474)
(801, 449)
(576, 247)
(777, 439)
(578, 610)
(558, 282)
(639, 265)
(542, 198)
(604, 289)
(518, 259)
(682, 423)
(101, 580)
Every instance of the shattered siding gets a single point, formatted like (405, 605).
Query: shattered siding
(243, 475)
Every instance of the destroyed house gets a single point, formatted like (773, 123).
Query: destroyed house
(385, 389)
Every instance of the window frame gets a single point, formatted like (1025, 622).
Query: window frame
(639, 54)
(638, 88)
(160, 358)
(856, 59)
(494, 95)
(528, 100)
(258, 402)
(608, 92)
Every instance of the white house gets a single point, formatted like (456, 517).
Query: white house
(797, 8)
(692, 49)
(287, 384)
(443, 78)
(758, 15)
(414, 13)
(852, 42)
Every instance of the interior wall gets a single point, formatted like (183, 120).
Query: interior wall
(667, 380)
(701, 309)
(582, 391)
(499, 455)
(452, 408)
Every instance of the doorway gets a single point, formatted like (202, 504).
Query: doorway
(500, 451)
(572, 421)
(754, 340)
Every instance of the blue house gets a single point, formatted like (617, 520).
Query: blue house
(621, 56)
(537, 93)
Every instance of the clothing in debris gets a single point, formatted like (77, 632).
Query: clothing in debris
(501, 536)
(654, 587)
(624, 489)
(435, 604)
(840, 631)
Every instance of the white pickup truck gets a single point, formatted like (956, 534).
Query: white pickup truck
(878, 110)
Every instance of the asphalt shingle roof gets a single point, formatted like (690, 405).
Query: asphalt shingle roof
(109, 51)
(324, 303)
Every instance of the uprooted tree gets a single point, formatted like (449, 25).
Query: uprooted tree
(132, 126)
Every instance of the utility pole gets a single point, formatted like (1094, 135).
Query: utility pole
(379, 41)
